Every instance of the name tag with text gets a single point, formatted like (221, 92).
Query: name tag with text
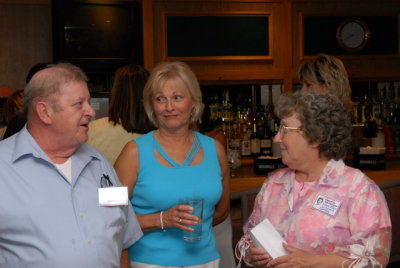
(327, 205)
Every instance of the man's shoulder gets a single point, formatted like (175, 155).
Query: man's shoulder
(7, 147)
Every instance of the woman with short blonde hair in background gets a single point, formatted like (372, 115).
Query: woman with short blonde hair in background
(326, 74)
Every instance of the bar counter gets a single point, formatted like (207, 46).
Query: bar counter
(246, 179)
(246, 185)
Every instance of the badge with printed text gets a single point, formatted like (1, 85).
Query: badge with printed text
(326, 205)
(113, 196)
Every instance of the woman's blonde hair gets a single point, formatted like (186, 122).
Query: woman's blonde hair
(170, 70)
(328, 71)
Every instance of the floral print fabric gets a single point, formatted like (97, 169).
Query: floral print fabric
(359, 229)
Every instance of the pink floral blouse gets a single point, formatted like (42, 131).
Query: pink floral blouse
(342, 213)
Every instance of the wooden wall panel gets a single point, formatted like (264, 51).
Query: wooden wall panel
(25, 34)
(359, 67)
(228, 71)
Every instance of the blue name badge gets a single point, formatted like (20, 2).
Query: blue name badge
(326, 205)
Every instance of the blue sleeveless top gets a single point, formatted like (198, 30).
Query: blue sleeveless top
(159, 188)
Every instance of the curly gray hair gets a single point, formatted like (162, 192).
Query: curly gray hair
(324, 120)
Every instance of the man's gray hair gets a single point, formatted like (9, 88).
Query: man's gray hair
(47, 82)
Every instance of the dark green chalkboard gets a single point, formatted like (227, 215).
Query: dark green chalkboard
(210, 36)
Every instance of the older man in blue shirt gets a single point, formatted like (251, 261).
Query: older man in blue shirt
(61, 203)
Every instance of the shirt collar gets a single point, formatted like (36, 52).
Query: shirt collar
(332, 172)
(330, 175)
(26, 145)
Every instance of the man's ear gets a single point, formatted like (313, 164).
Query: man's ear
(44, 112)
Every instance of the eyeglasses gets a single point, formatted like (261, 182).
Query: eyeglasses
(105, 181)
(284, 129)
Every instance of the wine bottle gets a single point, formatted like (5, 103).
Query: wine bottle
(255, 142)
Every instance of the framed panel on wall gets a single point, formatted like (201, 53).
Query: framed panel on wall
(350, 35)
(217, 37)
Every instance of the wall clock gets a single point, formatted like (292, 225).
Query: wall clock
(353, 34)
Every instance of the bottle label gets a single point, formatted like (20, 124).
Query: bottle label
(265, 143)
(245, 148)
(265, 151)
(234, 143)
(255, 146)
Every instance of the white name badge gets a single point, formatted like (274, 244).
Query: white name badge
(113, 196)
(327, 205)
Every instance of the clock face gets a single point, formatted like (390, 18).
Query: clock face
(352, 35)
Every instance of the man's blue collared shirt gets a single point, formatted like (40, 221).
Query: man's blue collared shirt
(46, 221)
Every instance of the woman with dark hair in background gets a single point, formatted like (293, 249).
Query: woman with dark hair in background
(12, 108)
(126, 117)
(16, 118)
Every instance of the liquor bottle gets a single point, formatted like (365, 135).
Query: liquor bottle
(214, 107)
(379, 140)
(234, 149)
(275, 148)
(261, 120)
(263, 132)
(369, 121)
(234, 138)
(255, 141)
(396, 119)
(227, 113)
(245, 144)
(364, 105)
(266, 144)
(356, 110)
(375, 108)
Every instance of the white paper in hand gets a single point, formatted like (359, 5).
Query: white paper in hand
(265, 236)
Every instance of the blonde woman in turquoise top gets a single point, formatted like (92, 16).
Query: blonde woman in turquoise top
(170, 163)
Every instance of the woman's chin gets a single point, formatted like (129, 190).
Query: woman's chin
(284, 158)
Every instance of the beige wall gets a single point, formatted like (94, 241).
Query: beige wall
(25, 39)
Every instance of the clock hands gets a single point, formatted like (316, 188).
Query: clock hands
(347, 37)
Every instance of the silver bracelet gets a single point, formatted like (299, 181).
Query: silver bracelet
(161, 221)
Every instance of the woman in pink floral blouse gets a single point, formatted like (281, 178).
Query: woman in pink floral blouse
(329, 214)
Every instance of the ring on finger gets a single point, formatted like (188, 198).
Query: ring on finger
(180, 220)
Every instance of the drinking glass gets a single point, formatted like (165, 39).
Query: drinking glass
(197, 205)
(233, 161)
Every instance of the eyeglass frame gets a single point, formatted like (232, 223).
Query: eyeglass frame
(285, 128)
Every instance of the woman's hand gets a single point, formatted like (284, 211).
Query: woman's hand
(180, 216)
(295, 258)
(258, 256)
